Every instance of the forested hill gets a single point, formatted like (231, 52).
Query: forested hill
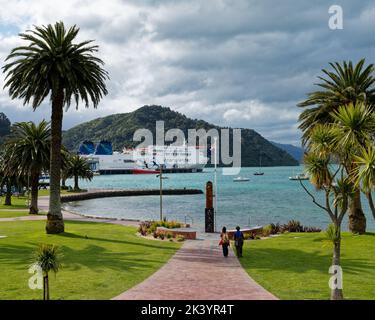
(119, 129)
(4, 126)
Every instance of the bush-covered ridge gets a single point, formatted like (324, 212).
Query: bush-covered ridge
(4, 126)
(119, 128)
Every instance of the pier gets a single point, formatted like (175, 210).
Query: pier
(96, 194)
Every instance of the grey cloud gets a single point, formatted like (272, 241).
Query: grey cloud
(215, 60)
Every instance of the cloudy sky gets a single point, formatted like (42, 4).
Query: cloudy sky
(231, 62)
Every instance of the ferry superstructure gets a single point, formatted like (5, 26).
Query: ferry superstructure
(172, 159)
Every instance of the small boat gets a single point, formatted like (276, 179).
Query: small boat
(259, 173)
(144, 171)
(300, 176)
(240, 179)
(164, 178)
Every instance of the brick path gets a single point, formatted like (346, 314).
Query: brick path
(199, 271)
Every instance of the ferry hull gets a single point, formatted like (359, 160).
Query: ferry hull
(132, 171)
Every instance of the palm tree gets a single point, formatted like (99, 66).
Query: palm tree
(51, 65)
(354, 126)
(364, 173)
(9, 173)
(336, 186)
(31, 146)
(78, 167)
(344, 85)
(47, 257)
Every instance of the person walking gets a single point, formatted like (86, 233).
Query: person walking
(238, 241)
(224, 242)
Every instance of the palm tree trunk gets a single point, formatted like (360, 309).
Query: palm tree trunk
(44, 288)
(47, 285)
(76, 187)
(8, 195)
(336, 293)
(357, 219)
(55, 222)
(371, 203)
(34, 192)
(63, 182)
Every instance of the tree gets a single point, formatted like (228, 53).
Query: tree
(51, 65)
(47, 257)
(78, 167)
(351, 129)
(31, 147)
(4, 126)
(364, 173)
(346, 84)
(9, 174)
(337, 191)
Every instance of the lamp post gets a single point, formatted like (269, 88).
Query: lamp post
(160, 175)
(215, 182)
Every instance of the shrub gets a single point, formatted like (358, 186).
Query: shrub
(275, 228)
(169, 235)
(155, 234)
(150, 226)
(161, 236)
(180, 238)
(292, 226)
(267, 230)
(311, 229)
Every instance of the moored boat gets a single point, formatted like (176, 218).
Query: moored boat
(241, 179)
(300, 176)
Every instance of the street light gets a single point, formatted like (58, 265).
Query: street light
(160, 175)
(215, 183)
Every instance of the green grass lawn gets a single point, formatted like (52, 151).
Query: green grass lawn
(22, 201)
(17, 203)
(295, 266)
(15, 213)
(109, 261)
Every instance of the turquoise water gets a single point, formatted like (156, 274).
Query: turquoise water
(264, 199)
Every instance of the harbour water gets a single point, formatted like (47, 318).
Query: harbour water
(270, 198)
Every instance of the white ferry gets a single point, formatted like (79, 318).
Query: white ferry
(171, 159)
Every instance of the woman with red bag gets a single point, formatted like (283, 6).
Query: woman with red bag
(224, 242)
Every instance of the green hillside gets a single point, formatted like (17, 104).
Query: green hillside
(119, 129)
(4, 126)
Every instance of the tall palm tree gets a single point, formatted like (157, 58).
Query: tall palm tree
(77, 167)
(31, 146)
(343, 85)
(51, 65)
(10, 176)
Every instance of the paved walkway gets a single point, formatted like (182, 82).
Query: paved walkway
(199, 271)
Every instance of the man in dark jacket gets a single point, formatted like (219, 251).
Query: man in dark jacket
(238, 241)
